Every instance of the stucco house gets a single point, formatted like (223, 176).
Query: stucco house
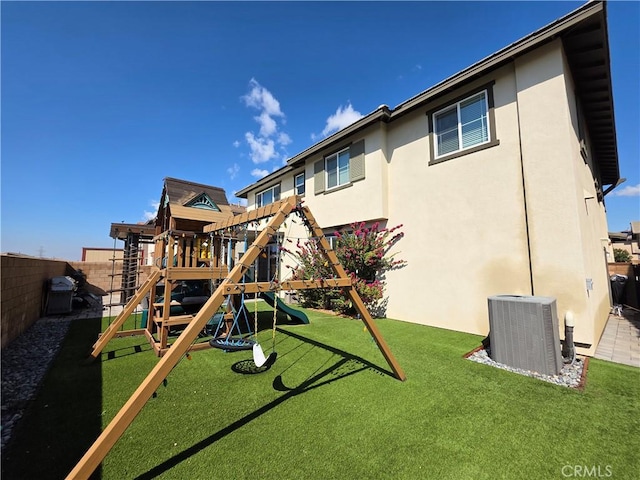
(628, 240)
(498, 175)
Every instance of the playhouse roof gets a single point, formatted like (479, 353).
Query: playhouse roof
(182, 191)
(193, 205)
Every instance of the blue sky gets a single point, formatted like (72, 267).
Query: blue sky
(102, 100)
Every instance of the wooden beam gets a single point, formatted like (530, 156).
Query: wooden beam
(375, 333)
(259, 287)
(122, 317)
(332, 259)
(174, 320)
(196, 273)
(250, 216)
(110, 435)
(130, 333)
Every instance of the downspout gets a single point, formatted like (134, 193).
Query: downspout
(524, 187)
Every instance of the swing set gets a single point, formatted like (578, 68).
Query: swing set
(231, 284)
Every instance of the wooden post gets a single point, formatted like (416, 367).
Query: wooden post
(332, 259)
(122, 317)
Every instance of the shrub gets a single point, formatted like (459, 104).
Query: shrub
(363, 253)
(621, 256)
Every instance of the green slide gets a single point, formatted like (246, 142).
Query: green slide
(298, 315)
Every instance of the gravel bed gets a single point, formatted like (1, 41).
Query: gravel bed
(570, 375)
(25, 362)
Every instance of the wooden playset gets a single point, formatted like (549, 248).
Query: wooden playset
(183, 262)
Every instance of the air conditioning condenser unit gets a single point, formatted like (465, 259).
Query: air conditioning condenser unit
(524, 333)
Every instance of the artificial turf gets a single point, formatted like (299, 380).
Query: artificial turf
(329, 409)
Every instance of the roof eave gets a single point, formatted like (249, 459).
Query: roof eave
(499, 58)
(534, 40)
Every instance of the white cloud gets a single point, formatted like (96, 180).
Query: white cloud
(284, 139)
(268, 125)
(151, 215)
(262, 99)
(233, 171)
(258, 173)
(342, 118)
(262, 149)
(236, 144)
(263, 144)
(628, 191)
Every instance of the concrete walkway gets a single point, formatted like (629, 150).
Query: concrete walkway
(620, 341)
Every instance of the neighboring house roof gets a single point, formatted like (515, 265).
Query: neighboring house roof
(618, 236)
(585, 39)
(237, 209)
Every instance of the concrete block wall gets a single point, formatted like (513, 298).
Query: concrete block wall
(99, 274)
(23, 286)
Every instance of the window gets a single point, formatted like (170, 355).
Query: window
(298, 184)
(332, 239)
(340, 169)
(462, 125)
(337, 169)
(268, 263)
(268, 196)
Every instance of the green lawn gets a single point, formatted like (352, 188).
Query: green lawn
(329, 409)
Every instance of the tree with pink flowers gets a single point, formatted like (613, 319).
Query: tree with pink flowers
(364, 253)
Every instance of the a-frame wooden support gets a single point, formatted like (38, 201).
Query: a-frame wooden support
(94, 456)
(113, 328)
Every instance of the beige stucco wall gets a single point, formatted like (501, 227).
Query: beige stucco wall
(101, 254)
(566, 221)
(366, 199)
(465, 219)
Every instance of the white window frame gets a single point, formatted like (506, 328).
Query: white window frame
(337, 169)
(275, 196)
(297, 185)
(332, 239)
(456, 105)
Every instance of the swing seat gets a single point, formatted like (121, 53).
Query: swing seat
(259, 358)
(231, 344)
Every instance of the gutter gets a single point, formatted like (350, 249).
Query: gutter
(610, 188)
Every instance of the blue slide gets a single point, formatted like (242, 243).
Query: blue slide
(298, 315)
